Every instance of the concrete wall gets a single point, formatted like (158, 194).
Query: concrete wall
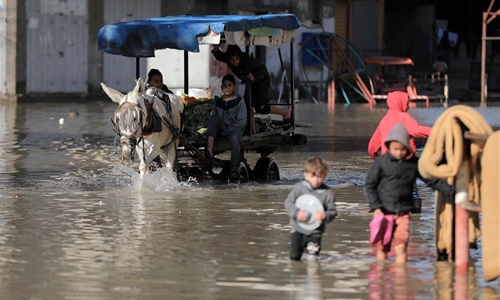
(3, 47)
(119, 71)
(194, 7)
(15, 53)
(8, 136)
(95, 58)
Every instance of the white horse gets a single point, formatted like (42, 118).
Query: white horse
(147, 125)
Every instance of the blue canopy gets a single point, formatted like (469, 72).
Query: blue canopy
(142, 37)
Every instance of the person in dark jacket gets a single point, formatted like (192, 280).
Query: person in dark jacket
(389, 187)
(259, 78)
(228, 119)
(302, 239)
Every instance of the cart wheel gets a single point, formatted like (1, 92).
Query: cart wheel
(219, 172)
(266, 169)
(287, 141)
(299, 139)
(182, 173)
(244, 177)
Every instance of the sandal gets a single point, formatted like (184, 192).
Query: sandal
(211, 159)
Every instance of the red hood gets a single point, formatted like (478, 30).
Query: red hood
(397, 101)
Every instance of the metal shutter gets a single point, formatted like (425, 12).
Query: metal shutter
(365, 23)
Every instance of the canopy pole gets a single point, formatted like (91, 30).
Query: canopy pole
(285, 83)
(186, 72)
(292, 80)
(248, 93)
(137, 68)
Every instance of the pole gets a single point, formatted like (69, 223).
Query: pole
(331, 95)
(483, 59)
(186, 72)
(248, 93)
(462, 215)
(485, 87)
(292, 81)
(137, 68)
(285, 83)
(446, 90)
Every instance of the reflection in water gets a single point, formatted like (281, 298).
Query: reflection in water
(391, 282)
(9, 150)
(313, 284)
(443, 274)
(74, 225)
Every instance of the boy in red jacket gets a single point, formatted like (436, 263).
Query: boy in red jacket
(398, 107)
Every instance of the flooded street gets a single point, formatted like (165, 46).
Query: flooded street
(73, 225)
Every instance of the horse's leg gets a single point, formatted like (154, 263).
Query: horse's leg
(171, 156)
(151, 153)
(164, 155)
(145, 157)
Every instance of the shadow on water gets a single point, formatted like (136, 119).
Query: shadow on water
(74, 225)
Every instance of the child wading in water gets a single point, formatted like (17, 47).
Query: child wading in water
(302, 239)
(389, 186)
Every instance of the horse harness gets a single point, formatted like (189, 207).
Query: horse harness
(153, 122)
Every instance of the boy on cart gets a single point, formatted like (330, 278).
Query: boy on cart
(228, 119)
(260, 82)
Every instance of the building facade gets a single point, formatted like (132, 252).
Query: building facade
(50, 46)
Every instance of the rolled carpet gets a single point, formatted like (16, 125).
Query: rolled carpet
(442, 158)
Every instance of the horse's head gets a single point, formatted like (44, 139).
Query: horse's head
(129, 117)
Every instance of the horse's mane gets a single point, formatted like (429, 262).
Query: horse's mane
(135, 96)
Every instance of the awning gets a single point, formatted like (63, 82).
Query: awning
(142, 37)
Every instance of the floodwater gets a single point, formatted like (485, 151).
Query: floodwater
(74, 225)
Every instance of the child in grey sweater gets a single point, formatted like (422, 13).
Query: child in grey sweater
(303, 239)
(227, 119)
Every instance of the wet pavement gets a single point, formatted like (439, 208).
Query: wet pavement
(74, 225)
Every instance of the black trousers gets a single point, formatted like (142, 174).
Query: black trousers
(260, 95)
(301, 243)
(214, 129)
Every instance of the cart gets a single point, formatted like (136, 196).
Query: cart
(142, 37)
(391, 73)
(394, 74)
